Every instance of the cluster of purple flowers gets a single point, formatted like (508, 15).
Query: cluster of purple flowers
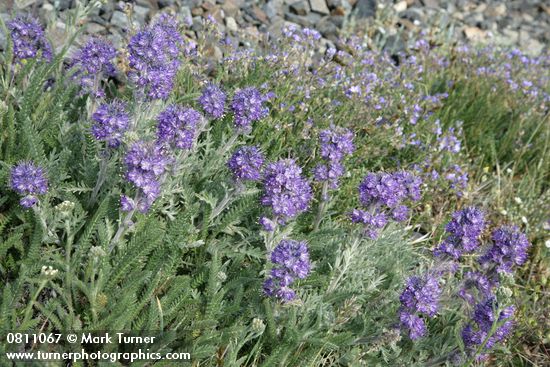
(177, 126)
(291, 261)
(248, 106)
(484, 317)
(508, 250)
(28, 39)
(29, 180)
(420, 297)
(153, 57)
(146, 163)
(383, 194)
(489, 324)
(285, 190)
(91, 62)
(335, 143)
(464, 230)
(246, 163)
(213, 100)
(476, 285)
(111, 120)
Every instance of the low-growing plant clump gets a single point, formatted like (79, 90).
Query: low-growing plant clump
(282, 207)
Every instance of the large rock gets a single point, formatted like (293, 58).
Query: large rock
(319, 6)
(300, 7)
(365, 8)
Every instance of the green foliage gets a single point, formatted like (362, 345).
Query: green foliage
(191, 270)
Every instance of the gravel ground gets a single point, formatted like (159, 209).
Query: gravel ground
(516, 23)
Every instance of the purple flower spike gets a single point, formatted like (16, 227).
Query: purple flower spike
(28, 179)
(509, 249)
(146, 163)
(153, 57)
(111, 120)
(212, 101)
(336, 143)
(420, 297)
(127, 204)
(291, 261)
(28, 38)
(177, 126)
(267, 224)
(414, 324)
(92, 62)
(464, 230)
(28, 201)
(246, 163)
(247, 106)
(285, 190)
(484, 316)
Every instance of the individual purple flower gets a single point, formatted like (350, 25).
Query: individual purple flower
(336, 143)
(485, 315)
(28, 38)
(267, 224)
(212, 100)
(146, 163)
(384, 194)
(509, 249)
(153, 57)
(248, 106)
(389, 189)
(400, 213)
(285, 190)
(330, 173)
(111, 120)
(28, 179)
(449, 142)
(421, 295)
(177, 126)
(246, 163)
(293, 256)
(464, 230)
(127, 204)
(476, 285)
(91, 63)
(377, 219)
(28, 201)
(290, 262)
(414, 324)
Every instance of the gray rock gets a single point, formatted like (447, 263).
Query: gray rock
(185, 13)
(166, 3)
(319, 6)
(271, 10)
(431, 3)
(197, 24)
(140, 13)
(120, 20)
(95, 28)
(300, 7)
(365, 8)
(328, 29)
(394, 44)
(63, 4)
(309, 21)
(231, 24)
(337, 20)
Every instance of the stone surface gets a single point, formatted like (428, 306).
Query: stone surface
(300, 7)
(512, 23)
(319, 6)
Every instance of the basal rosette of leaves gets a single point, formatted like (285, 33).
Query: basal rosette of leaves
(289, 208)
